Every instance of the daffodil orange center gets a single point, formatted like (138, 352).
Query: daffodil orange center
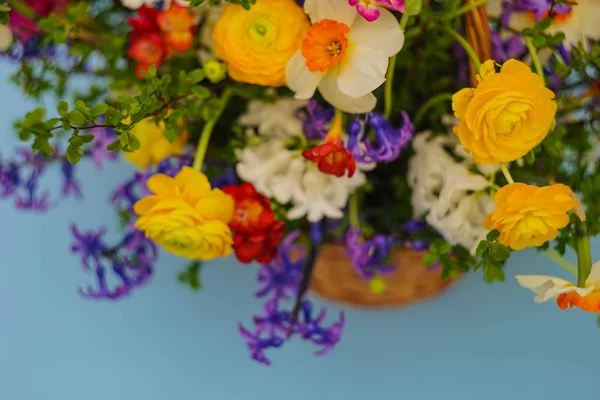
(589, 302)
(325, 44)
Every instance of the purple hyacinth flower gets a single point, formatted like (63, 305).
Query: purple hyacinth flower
(503, 50)
(415, 225)
(369, 256)
(257, 345)
(311, 328)
(315, 120)
(388, 143)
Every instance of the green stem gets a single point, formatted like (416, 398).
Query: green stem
(23, 9)
(584, 253)
(389, 83)
(462, 10)
(207, 130)
(465, 45)
(506, 173)
(534, 57)
(430, 103)
(560, 260)
(389, 76)
(353, 209)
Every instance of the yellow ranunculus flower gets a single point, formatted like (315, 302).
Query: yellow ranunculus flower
(507, 115)
(154, 146)
(257, 44)
(530, 215)
(185, 216)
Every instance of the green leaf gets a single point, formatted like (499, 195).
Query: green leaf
(481, 247)
(493, 235)
(87, 138)
(82, 107)
(499, 251)
(76, 117)
(413, 7)
(63, 108)
(201, 91)
(73, 156)
(114, 146)
(171, 134)
(196, 76)
(191, 275)
(99, 109)
(134, 142)
(544, 23)
(429, 259)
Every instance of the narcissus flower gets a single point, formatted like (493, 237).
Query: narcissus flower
(529, 215)
(345, 57)
(256, 44)
(257, 233)
(154, 146)
(185, 216)
(507, 115)
(567, 294)
(332, 157)
(369, 9)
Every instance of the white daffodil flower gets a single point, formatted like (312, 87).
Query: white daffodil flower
(567, 294)
(344, 56)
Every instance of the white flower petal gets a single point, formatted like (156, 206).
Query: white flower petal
(545, 287)
(362, 71)
(299, 79)
(337, 10)
(383, 34)
(594, 277)
(494, 8)
(332, 94)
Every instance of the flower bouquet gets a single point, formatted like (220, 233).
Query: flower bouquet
(370, 150)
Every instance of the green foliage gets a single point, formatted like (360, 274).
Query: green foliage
(452, 259)
(492, 256)
(191, 276)
(4, 14)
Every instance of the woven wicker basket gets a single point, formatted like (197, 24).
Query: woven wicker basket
(334, 277)
(477, 26)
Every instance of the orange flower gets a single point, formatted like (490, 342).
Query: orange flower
(529, 215)
(177, 24)
(567, 294)
(325, 44)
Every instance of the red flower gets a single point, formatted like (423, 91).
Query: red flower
(332, 158)
(145, 21)
(147, 50)
(177, 24)
(257, 233)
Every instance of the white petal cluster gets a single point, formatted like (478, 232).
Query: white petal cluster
(446, 190)
(283, 174)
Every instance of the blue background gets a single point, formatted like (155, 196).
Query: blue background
(478, 341)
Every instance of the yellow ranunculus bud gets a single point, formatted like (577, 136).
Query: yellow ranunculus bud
(257, 44)
(185, 216)
(529, 215)
(215, 71)
(507, 115)
(154, 146)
